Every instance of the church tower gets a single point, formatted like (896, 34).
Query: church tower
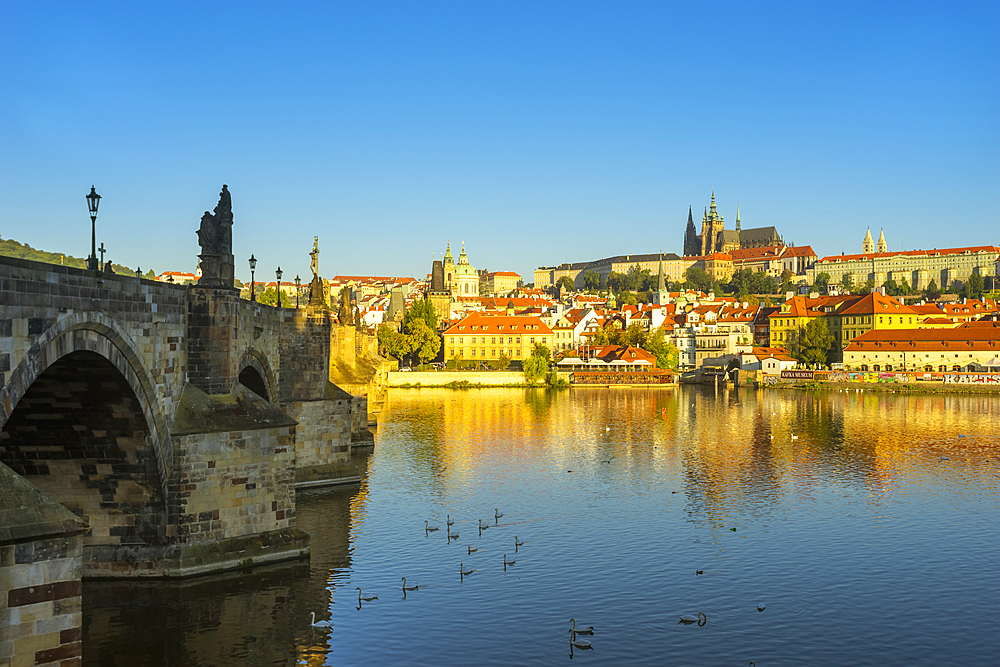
(661, 296)
(692, 244)
(711, 226)
(449, 268)
(881, 247)
(738, 217)
(868, 245)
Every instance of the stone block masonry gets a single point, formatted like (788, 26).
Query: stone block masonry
(41, 550)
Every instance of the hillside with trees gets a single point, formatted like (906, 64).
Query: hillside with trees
(12, 248)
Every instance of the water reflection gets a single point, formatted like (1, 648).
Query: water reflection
(628, 507)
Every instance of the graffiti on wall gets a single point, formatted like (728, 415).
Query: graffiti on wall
(972, 378)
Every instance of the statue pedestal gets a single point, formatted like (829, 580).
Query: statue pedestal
(316, 297)
(217, 271)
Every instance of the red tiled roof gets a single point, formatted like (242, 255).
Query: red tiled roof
(482, 323)
(913, 253)
(965, 337)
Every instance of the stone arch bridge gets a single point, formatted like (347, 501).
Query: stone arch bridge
(175, 420)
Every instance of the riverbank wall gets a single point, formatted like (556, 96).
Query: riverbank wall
(456, 378)
(908, 381)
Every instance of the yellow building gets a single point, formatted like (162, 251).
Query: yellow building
(482, 337)
(498, 282)
(847, 317)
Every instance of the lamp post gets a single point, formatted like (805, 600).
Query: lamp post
(277, 288)
(93, 201)
(298, 288)
(253, 265)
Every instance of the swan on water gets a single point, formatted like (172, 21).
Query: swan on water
(471, 550)
(700, 618)
(482, 527)
(507, 562)
(497, 513)
(451, 535)
(428, 528)
(589, 630)
(516, 543)
(579, 643)
(607, 460)
(450, 522)
(409, 588)
(319, 624)
(463, 571)
(365, 598)
(760, 607)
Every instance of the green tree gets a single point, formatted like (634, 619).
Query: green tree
(537, 365)
(617, 282)
(786, 282)
(592, 281)
(847, 283)
(822, 282)
(392, 342)
(566, 283)
(424, 342)
(891, 288)
(666, 353)
(973, 287)
(629, 299)
(634, 335)
(424, 310)
(269, 297)
(150, 275)
(502, 362)
(814, 342)
(932, 293)
(868, 286)
(697, 278)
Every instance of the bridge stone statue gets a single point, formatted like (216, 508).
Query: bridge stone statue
(345, 312)
(215, 236)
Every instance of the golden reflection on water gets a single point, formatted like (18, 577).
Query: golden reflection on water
(724, 444)
(726, 453)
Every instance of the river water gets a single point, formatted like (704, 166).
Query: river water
(864, 523)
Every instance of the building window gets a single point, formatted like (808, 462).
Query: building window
(459, 340)
(493, 352)
(493, 340)
(483, 340)
(517, 353)
(482, 353)
(473, 351)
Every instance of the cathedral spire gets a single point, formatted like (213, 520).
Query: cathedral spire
(660, 287)
(738, 216)
(447, 254)
(868, 245)
(882, 247)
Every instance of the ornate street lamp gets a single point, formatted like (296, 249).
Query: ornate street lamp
(253, 265)
(277, 287)
(93, 201)
(298, 288)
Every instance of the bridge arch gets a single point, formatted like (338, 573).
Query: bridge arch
(79, 418)
(255, 374)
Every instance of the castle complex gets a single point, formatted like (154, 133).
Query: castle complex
(715, 237)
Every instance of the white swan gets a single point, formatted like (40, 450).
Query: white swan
(409, 588)
(482, 527)
(451, 535)
(589, 630)
(463, 571)
(319, 624)
(507, 562)
(428, 528)
(700, 618)
(579, 643)
(472, 551)
(497, 513)
(516, 543)
(365, 598)
(450, 522)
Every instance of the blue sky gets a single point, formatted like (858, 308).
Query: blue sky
(533, 132)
